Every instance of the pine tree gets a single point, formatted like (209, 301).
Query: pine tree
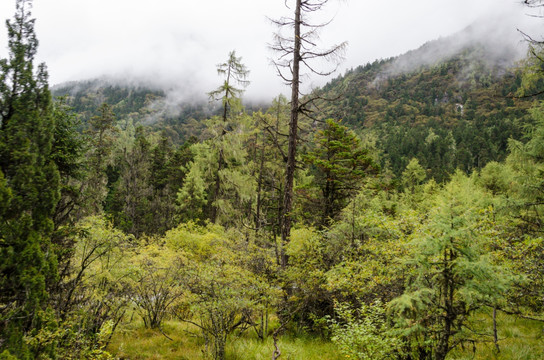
(31, 182)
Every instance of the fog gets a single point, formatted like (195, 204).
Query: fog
(176, 44)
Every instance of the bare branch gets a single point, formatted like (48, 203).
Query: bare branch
(302, 47)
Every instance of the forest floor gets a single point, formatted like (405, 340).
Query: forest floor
(519, 339)
(132, 341)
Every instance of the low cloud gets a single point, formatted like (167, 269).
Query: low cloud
(176, 47)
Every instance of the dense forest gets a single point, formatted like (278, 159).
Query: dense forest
(395, 213)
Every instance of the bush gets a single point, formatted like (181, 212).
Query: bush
(363, 333)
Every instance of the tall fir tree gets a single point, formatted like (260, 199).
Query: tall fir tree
(31, 183)
(101, 131)
(340, 163)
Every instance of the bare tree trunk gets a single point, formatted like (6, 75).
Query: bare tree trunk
(258, 220)
(277, 353)
(292, 150)
(495, 334)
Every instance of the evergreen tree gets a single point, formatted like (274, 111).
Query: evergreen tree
(231, 187)
(453, 275)
(340, 164)
(30, 181)
(168, 174)
(234, 72)
(134, 190)
(101, 131)
(67, 153)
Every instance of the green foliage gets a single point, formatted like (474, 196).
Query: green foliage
(497, 178)
(340, 164)
(226, 178)
(433, 246)
(466, 101)
(96, 290)
(158, 280)
(453, 275)
(223, 292)
(143, 182)
(366, 248)
(102, 134)
(219, 185)
(532, 80)
(192, 196)
(413, 175)
(526, 161)
(363, 333)
(30, 185)
(306, 297)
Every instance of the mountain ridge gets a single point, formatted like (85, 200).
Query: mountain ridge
(456, 91)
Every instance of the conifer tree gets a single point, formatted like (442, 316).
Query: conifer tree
(453, 275)
(30, 182)
(101, 131)
(340, 164)
(234, 72)
(296, 51)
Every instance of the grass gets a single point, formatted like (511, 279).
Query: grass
(132, 341)
(519, 339)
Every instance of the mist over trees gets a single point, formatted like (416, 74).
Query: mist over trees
(384, 216)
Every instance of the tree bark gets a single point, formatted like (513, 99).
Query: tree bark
(292, 149)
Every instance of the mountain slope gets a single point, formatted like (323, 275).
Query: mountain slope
(453, 108)
(139, 104)
(451, 103)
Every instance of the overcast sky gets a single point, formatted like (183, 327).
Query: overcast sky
(179, 42)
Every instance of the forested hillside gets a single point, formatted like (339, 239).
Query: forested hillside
(394, 214)
(137, 105)
(176, 116)
(449, 110)
(453, 110)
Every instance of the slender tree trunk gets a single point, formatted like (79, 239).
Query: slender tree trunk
(448, 292)
(495, 333)
(292, 150)
(258, 221)
(216, 187)
(221, 159)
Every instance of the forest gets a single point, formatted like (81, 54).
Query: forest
(383, 216)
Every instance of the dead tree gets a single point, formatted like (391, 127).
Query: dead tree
(296, 46)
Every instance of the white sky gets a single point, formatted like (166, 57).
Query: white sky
(179, 42)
